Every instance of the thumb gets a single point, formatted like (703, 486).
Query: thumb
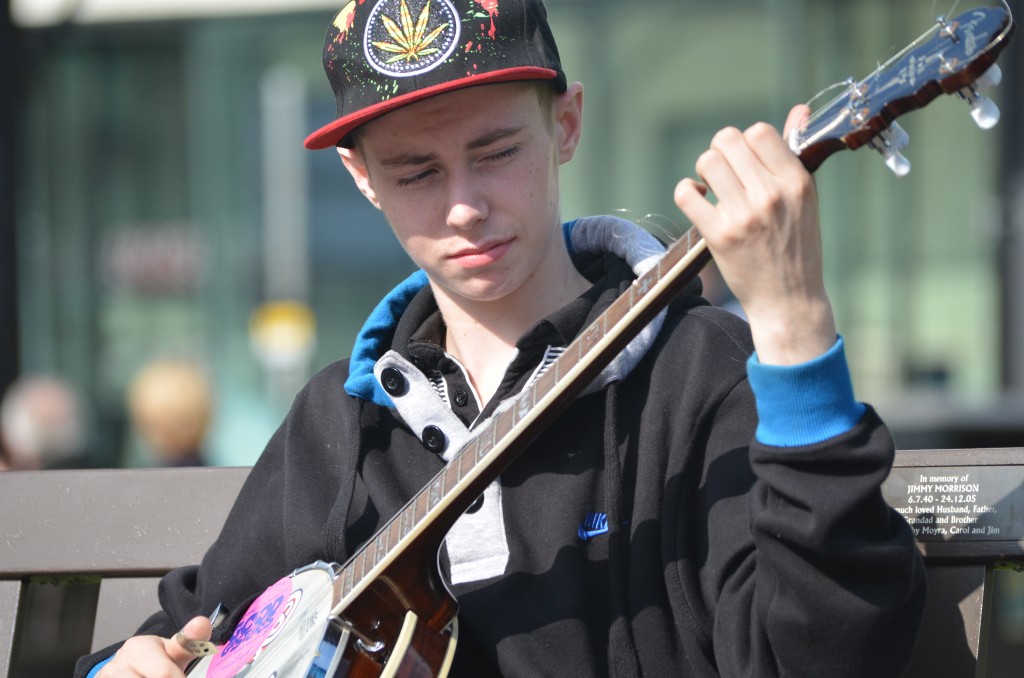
(197, 629)
(798, 117)
(688, 184)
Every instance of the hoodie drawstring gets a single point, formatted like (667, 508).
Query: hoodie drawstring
(622, 654)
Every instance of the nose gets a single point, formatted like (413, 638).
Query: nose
(467, 202)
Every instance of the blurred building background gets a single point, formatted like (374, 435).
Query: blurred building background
(156, 201)
(164, 204)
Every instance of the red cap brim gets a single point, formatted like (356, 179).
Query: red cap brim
(334, 133)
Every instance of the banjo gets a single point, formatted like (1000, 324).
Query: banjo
(387, 611)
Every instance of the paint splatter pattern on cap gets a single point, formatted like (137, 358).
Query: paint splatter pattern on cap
(381, 54)
(405, 38)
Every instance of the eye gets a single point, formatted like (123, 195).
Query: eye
(501, 155)
(414, 179)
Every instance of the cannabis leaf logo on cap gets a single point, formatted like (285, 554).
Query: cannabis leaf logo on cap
(410, 43)
(399, 46)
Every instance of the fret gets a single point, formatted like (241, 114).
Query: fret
(421, 506)
(451, 477)
(467, 458)
(569, 359)
(380, 547)
(436, 492)
(504, 422)
(692, 239)
(592, 335)
(693, 236)
(524, 403)
(685, 242)
(407, 521)
(485, 441)
(546, 382)
(642, 285)
(394, 532)
(614, 314)
(347, 581)
(666, 264)
(360, 563)
(674, 255)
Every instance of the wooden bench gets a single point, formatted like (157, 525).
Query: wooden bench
(967, 509)
(125, 528)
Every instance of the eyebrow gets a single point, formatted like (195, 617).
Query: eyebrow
(489, 138)
(482, 141)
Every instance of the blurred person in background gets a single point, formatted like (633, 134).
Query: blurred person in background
(170, 404)
(42, 425)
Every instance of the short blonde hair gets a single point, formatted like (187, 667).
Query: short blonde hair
(171, 403)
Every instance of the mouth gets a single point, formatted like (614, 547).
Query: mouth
(484, 254)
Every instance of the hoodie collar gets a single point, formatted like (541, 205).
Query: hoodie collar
(597, 245)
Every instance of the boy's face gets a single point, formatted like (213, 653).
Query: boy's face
(469, 182)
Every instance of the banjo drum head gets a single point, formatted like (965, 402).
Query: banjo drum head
(284, 633)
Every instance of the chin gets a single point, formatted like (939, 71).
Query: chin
(484, 292)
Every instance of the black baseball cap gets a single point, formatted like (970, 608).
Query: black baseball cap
(380, 55)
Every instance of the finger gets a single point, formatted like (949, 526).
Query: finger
(773, 150)
(141, 656)
(691, 198)
(743, 161)
(797, 118)
(731, 198)
(691, 184)
(199, 628)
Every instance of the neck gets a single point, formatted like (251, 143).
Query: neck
(482, 335)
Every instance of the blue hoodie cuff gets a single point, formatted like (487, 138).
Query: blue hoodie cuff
(96, 669)
(804, 404)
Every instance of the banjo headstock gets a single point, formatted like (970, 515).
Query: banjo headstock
(956, 56)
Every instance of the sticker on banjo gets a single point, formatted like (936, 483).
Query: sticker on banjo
(262, 622)
(283, 633)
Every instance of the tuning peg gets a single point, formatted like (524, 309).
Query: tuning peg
(990, 78)
(888, 144)
(983, 110)
(898, 136)
(948, 29)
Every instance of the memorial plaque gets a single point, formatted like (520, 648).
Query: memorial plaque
(959, 503)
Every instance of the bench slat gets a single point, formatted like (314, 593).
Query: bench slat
(125, 522)
(123, 605)
(128, 527)
(10, 596)
(950, 637)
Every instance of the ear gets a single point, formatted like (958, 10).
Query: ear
(568, 112)
(356, 166)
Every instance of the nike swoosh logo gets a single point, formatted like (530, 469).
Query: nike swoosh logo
(595, 524)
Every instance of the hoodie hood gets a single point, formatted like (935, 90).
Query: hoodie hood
(585, 239)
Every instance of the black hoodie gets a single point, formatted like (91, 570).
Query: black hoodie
(723, 556)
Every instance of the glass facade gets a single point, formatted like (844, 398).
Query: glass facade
(165, 196)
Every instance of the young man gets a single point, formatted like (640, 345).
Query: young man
(746, 534)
